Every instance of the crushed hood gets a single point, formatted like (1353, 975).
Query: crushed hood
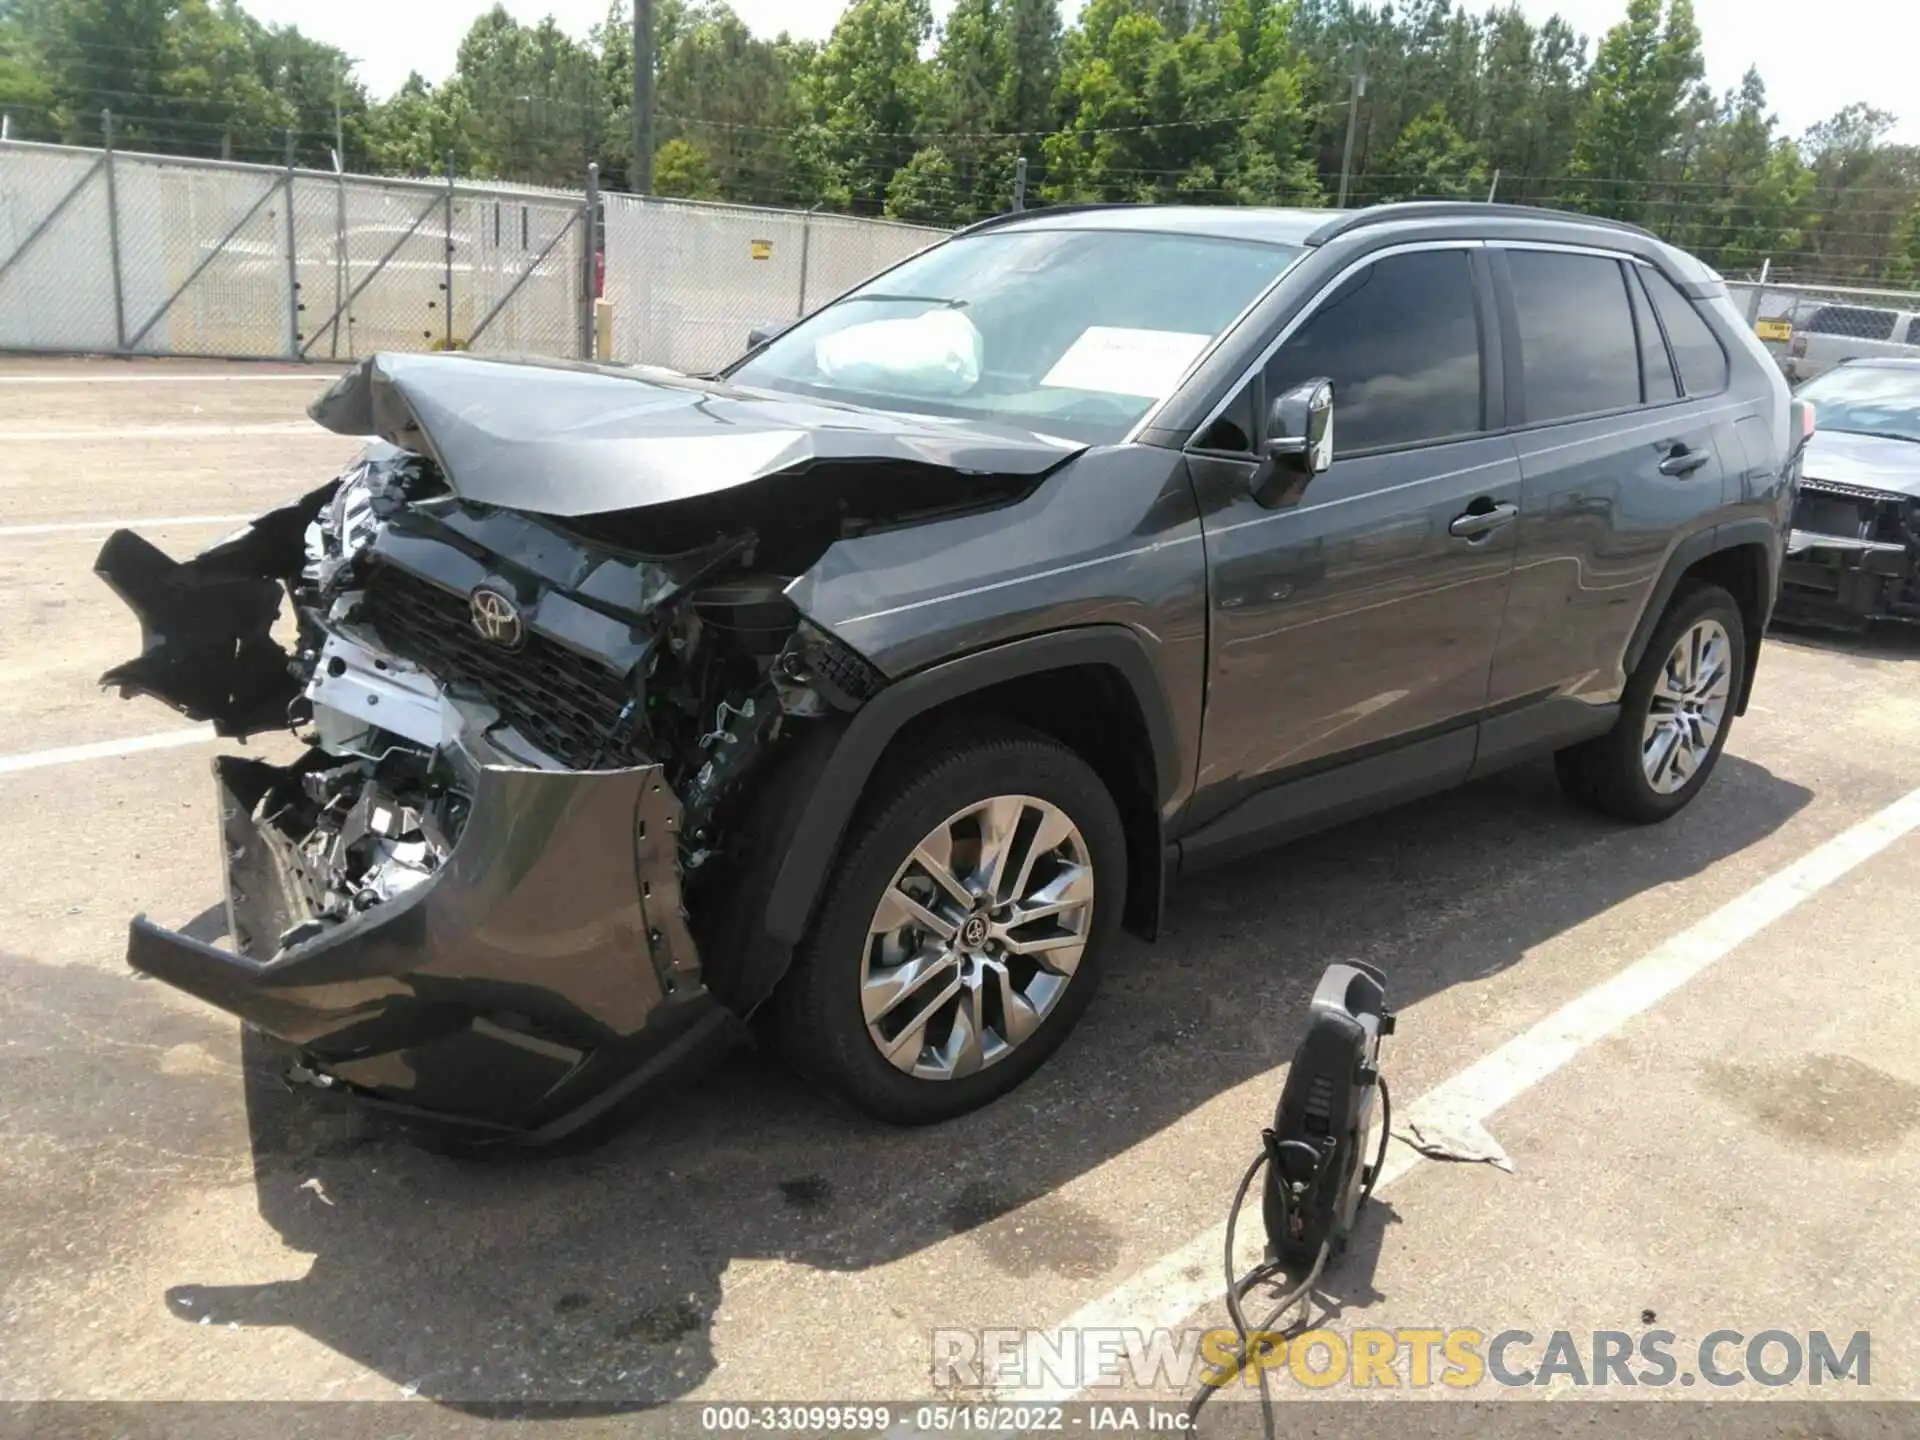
(561, 438)
(1872, 462)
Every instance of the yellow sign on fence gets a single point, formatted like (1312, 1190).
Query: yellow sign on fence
(1773, 329)
(760, 249)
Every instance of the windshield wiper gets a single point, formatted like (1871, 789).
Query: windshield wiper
(912, 300)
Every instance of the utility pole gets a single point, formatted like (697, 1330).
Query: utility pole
(1020, 184)
(640, 181)
(1353, 116)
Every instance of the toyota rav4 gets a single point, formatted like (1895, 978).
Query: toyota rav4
(867, 688)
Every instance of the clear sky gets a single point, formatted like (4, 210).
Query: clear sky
(1815, 58)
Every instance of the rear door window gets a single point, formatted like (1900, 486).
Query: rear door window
(1579, 353)
(1703, 364)
(1913, 331)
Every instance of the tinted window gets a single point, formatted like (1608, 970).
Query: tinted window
(1401, 342)
(1856, 322)
(1656, 366)
(1913, 331)
(1578, 353)
(1703, 364)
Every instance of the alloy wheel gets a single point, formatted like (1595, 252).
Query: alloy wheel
(1688, 707)
(977, 937)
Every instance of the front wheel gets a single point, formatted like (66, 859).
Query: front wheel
(963, 931)
(1674, 714)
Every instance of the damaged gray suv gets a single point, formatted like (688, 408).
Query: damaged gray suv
(869, 687)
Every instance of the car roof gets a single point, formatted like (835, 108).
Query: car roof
(1372, 226)
(1287, 226)
(1272, 224)
(1880, 362)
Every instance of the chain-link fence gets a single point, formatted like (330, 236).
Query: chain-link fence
(1809, 329)
(112, 252)
(689, 280)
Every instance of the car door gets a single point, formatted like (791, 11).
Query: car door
(1360, 614)
(1620, 460)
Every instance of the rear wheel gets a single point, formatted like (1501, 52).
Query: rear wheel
(963, 932)
(1674, 714)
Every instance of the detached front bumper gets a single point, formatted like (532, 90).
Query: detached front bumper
(1852, 556)
(540, 976)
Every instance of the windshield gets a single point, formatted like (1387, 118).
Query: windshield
(1076, 332)
(1868, 400)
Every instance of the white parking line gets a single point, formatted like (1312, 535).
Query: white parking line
(1163, 1295)
(105, 432)
(168, 379)
(69, 527)
(104, 749)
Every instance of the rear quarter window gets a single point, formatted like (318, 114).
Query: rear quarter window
(1696, 350)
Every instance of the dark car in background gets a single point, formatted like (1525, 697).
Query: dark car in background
(1853, 555)
(868, 688)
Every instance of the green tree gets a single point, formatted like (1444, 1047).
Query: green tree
(1863, 189)
(731, 94)
(866, 95)
(923, 190)
(420, 126)
(1644, 84)
(1431, 161)
(1752, 189)
(682, 169)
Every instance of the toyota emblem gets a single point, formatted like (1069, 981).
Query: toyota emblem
(496, 618)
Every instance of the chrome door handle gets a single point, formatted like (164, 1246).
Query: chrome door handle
(1478, 524)
(1682, 461)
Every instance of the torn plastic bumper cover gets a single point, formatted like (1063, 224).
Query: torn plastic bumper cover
(536, 978)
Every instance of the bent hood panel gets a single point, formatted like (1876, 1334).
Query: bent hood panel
(573, 439)
(1870, 461)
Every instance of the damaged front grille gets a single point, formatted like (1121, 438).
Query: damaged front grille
(575, 710)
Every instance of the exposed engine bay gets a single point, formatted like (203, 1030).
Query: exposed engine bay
(717, 668)
(535, 735)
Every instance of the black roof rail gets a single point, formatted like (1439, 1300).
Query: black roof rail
(1461, 210)
(1007, 217)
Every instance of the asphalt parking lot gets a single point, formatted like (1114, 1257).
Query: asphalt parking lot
(1698, 1044)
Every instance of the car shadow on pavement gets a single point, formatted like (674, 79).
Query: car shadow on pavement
(596, 1278)
(1885, 641)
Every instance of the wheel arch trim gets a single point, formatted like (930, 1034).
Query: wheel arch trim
(1754, 531)
(802, 873)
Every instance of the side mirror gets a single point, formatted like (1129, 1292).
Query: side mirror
(768, 330)
(1298, 443)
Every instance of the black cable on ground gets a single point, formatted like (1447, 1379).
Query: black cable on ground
(1237, 1288)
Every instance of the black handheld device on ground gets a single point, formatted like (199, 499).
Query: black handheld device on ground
(1318, 1173)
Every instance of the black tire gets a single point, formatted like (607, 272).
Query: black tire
(1606, 773)
(816, 1017)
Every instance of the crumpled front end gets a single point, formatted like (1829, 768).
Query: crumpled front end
(488, 944)
(502, 886)
(1853, 555)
